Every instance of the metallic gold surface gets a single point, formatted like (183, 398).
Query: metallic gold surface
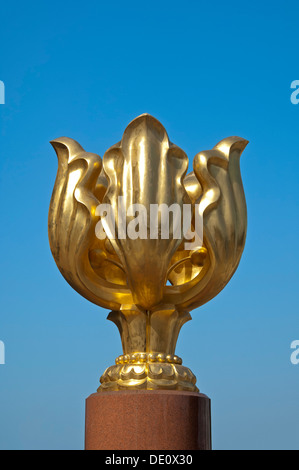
(150, 285)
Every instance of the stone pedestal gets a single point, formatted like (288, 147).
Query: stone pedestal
(148, 420)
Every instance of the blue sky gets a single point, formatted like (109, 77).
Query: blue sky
(206, 70)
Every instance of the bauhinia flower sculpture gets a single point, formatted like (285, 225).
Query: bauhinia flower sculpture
(150, 281)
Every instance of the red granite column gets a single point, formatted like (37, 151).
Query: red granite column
(148, 420)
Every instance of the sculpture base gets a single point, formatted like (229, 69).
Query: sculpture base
(151, 375)
(148, 420)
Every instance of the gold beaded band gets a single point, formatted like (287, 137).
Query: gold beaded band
(143, 357)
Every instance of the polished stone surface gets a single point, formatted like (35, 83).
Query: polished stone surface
(148, 420)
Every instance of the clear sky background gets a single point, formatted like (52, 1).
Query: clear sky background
(206, 70)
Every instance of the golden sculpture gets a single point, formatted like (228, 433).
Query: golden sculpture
(149, 284)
